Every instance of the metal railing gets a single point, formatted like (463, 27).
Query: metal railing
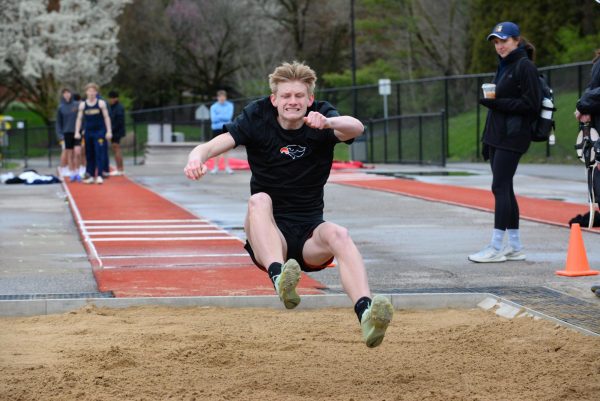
(414, 139)
(457, 95)
(23, 143)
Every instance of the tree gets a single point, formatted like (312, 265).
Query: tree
(57, 43)
(407, 39)
(315, 31)
(540, 25)
(208, 34)
(147, 69)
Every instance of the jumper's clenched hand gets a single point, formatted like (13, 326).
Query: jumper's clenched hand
(195, 169)
(316, 120)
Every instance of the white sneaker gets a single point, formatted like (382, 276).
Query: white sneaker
(375, 320)
(510, 253)
(215, 170)
(115, 173)
(228, 170)
(489, 254)
(89, 180)
(99, 180)
(286, 282)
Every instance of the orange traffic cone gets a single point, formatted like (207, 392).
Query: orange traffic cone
(577, 262)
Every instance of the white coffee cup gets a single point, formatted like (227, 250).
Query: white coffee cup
(489, 91)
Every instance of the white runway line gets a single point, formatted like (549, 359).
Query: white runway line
(208, 255)
(120, 239)
(96, 233)
(144, 221)
(81, 224)
(205, 266)
(206, 225)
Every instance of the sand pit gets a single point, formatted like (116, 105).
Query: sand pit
(158, 353)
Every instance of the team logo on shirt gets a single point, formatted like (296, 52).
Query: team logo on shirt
(293, 151)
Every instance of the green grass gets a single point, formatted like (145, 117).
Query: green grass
(462, 134)
(19, 112)
(341, 152)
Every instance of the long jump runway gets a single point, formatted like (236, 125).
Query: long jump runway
(142, 245)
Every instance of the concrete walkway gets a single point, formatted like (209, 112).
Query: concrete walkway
(407, 243)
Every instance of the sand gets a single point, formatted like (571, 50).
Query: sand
(159, 353)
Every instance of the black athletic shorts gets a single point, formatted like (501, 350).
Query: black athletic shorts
(296, 234)
(70, 141)
(216, 132)
(116, 139)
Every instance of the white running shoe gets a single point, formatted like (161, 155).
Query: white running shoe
(99, 180)
(375, 320)
(89, 180)
(510, 253)
(489, 254)
(215, 170)
(115, 173)
(228, 170)
(286, 282)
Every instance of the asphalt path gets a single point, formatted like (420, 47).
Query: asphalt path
(406, 242)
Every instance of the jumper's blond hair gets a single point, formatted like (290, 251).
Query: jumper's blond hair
(92, 85)
(295, 71)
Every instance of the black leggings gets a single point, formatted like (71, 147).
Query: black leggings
(504, 166)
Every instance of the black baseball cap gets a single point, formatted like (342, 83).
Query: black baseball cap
(505, 30)
(113, 94)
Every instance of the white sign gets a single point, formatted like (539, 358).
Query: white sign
(202, 113)
(385, 87)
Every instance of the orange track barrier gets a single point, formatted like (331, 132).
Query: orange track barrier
(141, 244)
(577, 261)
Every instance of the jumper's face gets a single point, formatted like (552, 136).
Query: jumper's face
(505, 46)
(67, 96)
(91, 93)
(292, 100)
(221, 98)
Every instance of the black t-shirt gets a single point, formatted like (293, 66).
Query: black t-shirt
(291, 166)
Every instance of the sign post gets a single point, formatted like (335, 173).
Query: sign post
(385, 89)
(203, 115)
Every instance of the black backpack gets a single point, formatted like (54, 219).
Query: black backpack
(543, 126)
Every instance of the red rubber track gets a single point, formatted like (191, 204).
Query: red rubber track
(539, 210)
(142, 245)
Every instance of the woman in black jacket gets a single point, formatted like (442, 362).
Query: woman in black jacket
(507, 135)
(588, 107)
(588, 111)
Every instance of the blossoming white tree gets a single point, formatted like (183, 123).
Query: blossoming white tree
(54, 43)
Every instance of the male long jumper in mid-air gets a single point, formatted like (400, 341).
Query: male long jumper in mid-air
(290, 139)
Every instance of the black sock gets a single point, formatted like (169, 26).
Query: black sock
(274, 270)
(361, 306)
